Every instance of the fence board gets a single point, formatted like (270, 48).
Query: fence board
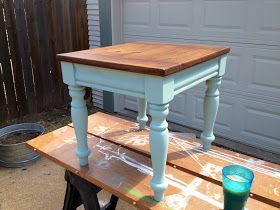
(15, 57)
(3, 107)
(24, 51)
(7, 75)
(32, 32)
(35, 54)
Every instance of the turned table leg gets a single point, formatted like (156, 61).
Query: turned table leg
(79, 116)
(142, 116)
(159, 148)
(211, 104)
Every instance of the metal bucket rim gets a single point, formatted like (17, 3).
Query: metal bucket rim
(20, 127)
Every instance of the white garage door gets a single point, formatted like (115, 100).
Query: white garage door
(250, 92)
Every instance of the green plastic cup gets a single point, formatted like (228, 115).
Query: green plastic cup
(237, 182)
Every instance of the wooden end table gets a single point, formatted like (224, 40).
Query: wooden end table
(154, 73)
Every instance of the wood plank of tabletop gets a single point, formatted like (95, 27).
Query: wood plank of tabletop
(127, 174)
(151, 58)
(186, 154)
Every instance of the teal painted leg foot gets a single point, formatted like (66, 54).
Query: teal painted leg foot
(80, 121)
(142, 117)
(159, 148)
(211, 104)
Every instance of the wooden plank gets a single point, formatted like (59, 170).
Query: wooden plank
(127, 174)
(152, 58)
(24, 50)
(83, 25)
(186, 154)
(15, 57)
(64, 34)
(57, 39)
(35, 53)
(74, 9)
(55, 98)
(67, 33)
(43, 49)
(3, 106)
(7, 75)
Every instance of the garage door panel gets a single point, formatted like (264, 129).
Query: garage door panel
(265, 72)
(224, 116)
(261, 123)
(256, 117)
(136, 14)
(268, 18)
(214, 11)
(177, 109)
(244, 21)
(234, 62)
(179, 23)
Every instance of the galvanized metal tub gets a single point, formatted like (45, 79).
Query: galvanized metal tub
(18, 155)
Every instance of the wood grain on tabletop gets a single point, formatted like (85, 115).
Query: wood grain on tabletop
(186, 155)
(124, 180)
(152, 58)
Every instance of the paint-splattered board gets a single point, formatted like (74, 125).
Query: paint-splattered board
(127, 174)
(185, 154)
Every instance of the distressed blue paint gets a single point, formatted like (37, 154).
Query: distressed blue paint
(157, 91)
(79, 116)
(142, 116)
(159, 147)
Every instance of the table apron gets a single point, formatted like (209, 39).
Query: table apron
(136, 84)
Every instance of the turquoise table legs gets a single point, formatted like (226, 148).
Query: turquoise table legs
(142, 116)
(159, 148)
(211, 104)
(158, 91)
(80, 121)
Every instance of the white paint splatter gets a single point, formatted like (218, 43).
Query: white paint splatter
(100, 130)
(176, 201)
(212, 170)
(70, 141)
(106, 149)
(138, 140)
(276, 191)
(253, 165)
(103, 164)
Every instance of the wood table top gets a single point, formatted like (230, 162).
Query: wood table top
(152, 58)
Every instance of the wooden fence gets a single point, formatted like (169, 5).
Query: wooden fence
(32, 32)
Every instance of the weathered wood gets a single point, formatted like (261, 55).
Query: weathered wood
(3, 106)
(24, 50)
(15, 56)
(31, 34)
(7, 75)
(146, 58)
(187, 155)
(35, 54)
(127, 173)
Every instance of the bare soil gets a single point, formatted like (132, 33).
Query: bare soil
(51, 119)
(18, 137)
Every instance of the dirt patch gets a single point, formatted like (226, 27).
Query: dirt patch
(51, 120)
(18, 137)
